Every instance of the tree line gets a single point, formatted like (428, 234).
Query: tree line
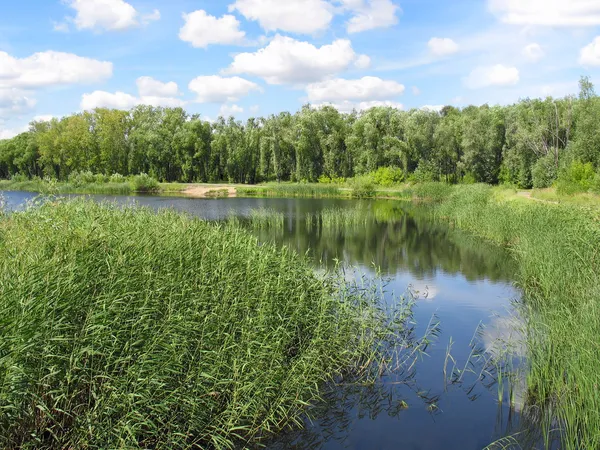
(524, 144)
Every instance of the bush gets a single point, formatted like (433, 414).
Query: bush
(78, 179)
(117, 178)
(387, 176)
(425, 172)
(144, 183)
(574, 178)
(19, 178)
(468, 178)
(362, 187)
(544, 173)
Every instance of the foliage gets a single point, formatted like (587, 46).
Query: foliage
(493, 144)
(144, 183)
(576, 177)
(559, 272)
(362, 187)
(544, 172)
(387, 176)
(123, 328)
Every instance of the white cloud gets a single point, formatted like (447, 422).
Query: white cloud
(363, 89)
(547, 12)
(103, 14)
(294, 16)
(288, 61)
(230, 110)
(202, 29)
(590, 54)
(362, 62)
(102, 99)
(9, 133)
(152, 17)
(349, 106)
(151, 92)
(533, 52)
(216, 89)
(61, 27)
(432, 108)
(149, 87)
(498, 75)
(51, 68)
(370, 14)
(442, 46)
(14, 102)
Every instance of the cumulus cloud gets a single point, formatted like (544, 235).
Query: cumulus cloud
(152, 17)
(590, 54)
(365, 89)
(371, 14)
(151, 92)
(498, 75)
(432, 108)
(50, 69)
(216, 89)
(547, 12)
(533, 52)
(15, 102)
(201, 29)
(230, 110)
(148, 86)
(442, 46)
(104, 15)
(9, 133)
(102, 99)
(288, 61)
(294, 16)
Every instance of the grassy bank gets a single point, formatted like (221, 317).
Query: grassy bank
(125, 328)
(557, 249)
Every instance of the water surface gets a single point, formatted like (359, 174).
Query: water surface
(463, 283)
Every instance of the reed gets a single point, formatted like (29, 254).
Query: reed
(125, 328)
(556, 246)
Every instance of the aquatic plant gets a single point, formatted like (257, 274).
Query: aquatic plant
(125, 328)
(556, 246)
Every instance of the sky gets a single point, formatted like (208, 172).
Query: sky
(258, 57)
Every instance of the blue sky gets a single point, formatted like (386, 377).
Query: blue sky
(257, 57)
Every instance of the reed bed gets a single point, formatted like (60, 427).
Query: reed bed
(559, 271)
(125, 328)
(263, 218)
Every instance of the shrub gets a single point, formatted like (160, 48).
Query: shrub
(144, 183)
(78, 179)
(468, 178)
(19, 178)
(425, 172)
(387, 176)
(544, 172)
(574, 178)
(117, 178)
(362, 187)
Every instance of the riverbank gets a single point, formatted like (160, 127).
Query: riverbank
(556, 245)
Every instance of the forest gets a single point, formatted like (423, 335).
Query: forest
(526, 144)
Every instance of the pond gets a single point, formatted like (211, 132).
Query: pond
(463, 289)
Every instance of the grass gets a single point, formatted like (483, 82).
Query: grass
(559, 271)
(313, 190)
(126, 328)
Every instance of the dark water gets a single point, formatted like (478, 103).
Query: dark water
(461, 283)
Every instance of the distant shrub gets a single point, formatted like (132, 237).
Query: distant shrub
(468, 178)
(387, 176)
(576, 177)
(117, 178)
(101, 178)
(425, 172)
(144, 183)
(19, 178)
(78, 179)
(324, 179)
(432, 191)
(362, 187)
(544, 172)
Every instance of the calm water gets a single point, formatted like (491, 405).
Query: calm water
(464, 284)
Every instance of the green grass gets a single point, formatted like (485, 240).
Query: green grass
(136, 184)
(125, 328)
(559, 271)
(313, 190)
